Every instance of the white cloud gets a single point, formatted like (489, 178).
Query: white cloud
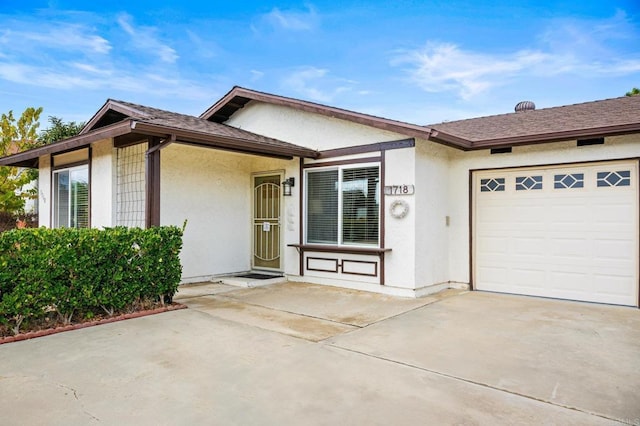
(292, 20)
(442, 67)
(256, 75)
(316, 84)
(145, 38)
(91, 69)
(584, 48)
(589, 38)
(60, 36)
(79, 76)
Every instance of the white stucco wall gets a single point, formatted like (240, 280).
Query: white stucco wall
(102, 184)
(430, 247)
(433, 208)
(618, 147)
(400, 234)
(44, 191)
(321, 133)
(212, 190)
(303, 128)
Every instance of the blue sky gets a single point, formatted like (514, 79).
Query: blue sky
(416, 61)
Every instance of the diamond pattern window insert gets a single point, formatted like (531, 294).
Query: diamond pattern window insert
(527, 183)
(619, 178)
(492, 185)
(572, 180)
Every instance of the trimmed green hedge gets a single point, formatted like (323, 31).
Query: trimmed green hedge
(82, 272)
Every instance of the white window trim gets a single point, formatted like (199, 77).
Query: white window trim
(340, 168)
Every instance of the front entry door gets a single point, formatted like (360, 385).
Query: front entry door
(266, 221)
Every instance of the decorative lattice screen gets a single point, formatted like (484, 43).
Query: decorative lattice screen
(130, 203)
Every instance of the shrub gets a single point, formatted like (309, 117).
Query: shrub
(82, 272)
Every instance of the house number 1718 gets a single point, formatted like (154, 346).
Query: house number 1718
(399, 189)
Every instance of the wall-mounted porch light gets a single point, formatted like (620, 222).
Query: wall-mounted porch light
(287, 185)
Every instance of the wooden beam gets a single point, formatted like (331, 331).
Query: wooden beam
(152, 187)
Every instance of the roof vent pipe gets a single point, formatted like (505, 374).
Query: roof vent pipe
(525, 106)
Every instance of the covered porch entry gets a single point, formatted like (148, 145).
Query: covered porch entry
(150, 167)
(224, 183)
(238, 218)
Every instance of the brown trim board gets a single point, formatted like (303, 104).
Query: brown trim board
(382, 214)
(302, 223)
(638, 213)
(573, 163)
(362, 149)
(343, 162)
(471, 231)
(335, 271)
(90, 168)
(74, 164)
(152, 185)
(368, 262)
(402, 128)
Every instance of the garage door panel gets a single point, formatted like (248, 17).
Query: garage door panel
(570, 248)
(614, 215)
(526, 214)
(528, 246)
(572, 282)
(571, 237)
(493, 277)
(616, 250)
(524, 278)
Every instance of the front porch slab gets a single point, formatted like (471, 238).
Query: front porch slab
(301, 326)
(345, 306)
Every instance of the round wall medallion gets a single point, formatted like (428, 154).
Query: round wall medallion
(399, 209)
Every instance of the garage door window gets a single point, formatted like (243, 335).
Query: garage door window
(572, 180)
(528, 183)
(619, 178)
(492, 185)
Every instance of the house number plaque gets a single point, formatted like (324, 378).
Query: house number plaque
(399, 189)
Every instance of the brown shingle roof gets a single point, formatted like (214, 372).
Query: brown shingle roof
(174, 120)
(238, 97)
(133, 122)
(591, 119)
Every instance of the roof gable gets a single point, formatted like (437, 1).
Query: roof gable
(127, 123)
(591, 119)
(238, 97)
(114, 111)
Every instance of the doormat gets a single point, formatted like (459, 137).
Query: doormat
(258, 276)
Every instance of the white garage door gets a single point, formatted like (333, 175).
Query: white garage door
(567, 232)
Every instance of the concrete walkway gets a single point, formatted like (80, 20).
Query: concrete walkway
(244, 357)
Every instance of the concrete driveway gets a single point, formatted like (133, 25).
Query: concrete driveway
(299, 353)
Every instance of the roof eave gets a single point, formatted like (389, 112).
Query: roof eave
(399, 127)
(615, 130)
(30, 158)
(115, 106)
(223, 142)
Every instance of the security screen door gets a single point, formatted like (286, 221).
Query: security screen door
(266, 221)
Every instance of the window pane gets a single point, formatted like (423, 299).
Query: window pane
(61, 194)
(360, 205)
(322, 207)
(71, 198)
(80, 198)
